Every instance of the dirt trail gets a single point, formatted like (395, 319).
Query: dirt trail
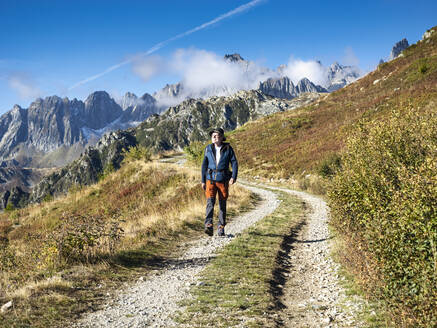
(309, 294)
(152, 301)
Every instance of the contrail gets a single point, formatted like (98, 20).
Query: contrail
(159, 45)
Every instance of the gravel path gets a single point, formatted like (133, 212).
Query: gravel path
(151, 302)
(312, 295)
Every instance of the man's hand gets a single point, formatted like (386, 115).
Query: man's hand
(203, 186)
(232, 181)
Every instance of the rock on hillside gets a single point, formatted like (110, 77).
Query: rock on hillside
(12, 176)
(15, 197)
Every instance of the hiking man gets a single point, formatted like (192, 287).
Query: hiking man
(216, 178)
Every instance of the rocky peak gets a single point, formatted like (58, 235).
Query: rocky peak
(53, 100)
(398, 48)
(97, 97)
(170, 94)
(50, 106)
(278, 87)
(172, 89)
(234, 58)
(16, 108)
(100, 110)
(335, 67)
(128, 100)
(139, 108)
(148, 98)
(305, 85)
(17, 113)
(338, 76)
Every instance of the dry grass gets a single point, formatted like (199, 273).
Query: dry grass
(157, 205)
(31, 288)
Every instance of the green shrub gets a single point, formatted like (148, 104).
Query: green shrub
(47, 198)
(386, 196)
(107, 170)
(137, 153)
(194, 152)
(423, 68)
(329, 166)
(8, 259)
(9, 207)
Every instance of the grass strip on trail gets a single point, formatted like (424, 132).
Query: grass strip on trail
(241, 284)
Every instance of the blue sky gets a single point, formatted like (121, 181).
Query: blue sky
(48, 46)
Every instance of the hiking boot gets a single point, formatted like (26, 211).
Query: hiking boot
(221, 231)
(209, 229)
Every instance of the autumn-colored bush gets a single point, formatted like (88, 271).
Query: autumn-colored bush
(82, 238)
(385, 199)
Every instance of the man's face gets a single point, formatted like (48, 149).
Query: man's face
(216, 138)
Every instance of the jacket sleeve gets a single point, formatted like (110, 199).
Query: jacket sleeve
(234, 164)
(204, 166)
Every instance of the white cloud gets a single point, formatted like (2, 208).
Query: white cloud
(24, 85)
(148, 67)
(204, 73)
(202, 69)
(350, 58)
(297, 69)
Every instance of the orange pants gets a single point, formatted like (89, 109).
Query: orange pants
(214, 187)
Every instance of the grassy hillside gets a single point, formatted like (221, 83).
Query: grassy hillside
(61, 257)
(291, 142)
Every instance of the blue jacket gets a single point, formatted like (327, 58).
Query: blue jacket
(219, 172)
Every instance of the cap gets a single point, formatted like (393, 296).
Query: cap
(218, 130)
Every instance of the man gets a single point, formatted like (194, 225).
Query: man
(216, 178)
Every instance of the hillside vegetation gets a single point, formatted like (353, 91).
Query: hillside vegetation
(375, 142)
(308, 138)
(59, 258)
(384, 204)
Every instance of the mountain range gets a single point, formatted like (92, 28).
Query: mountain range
(54, 124)
(77, 123)
(54, 131)
(174, 129)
